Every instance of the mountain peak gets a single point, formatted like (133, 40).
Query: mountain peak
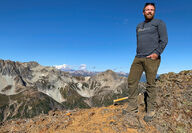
(29, 89)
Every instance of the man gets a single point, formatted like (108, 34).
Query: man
(151, 41)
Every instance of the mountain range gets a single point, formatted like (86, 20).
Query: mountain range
(92, 73)
(34, 89)
(35, 98)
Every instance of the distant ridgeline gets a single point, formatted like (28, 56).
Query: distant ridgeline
(85, 73)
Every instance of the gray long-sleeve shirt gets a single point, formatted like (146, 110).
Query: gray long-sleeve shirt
(151, 37)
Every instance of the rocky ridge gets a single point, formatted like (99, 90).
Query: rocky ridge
(68, 91)
(173, 114)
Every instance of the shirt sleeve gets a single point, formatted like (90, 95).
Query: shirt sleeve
(163, 38)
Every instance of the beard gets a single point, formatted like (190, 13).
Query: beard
(149, 16)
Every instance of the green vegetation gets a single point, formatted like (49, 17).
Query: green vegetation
(73, 99)
(26, 104)
(3, 100)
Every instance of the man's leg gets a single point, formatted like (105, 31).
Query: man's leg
(150, 68)
(133, 80)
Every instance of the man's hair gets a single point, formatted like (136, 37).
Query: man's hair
(146, 4)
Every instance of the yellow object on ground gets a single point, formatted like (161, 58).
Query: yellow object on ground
(120, 99)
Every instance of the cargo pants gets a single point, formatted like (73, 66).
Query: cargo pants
(150, 67)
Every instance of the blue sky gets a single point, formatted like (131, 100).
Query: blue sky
(98, 33)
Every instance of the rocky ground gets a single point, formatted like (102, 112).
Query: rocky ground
(174, 114)
(94, 120)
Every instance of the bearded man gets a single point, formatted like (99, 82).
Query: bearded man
(151, 41)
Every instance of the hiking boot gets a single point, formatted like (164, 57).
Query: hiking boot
(149, 116)
(130, 109)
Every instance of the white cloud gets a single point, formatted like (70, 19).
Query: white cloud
(64, 67)
(70, 67)
(83, 67)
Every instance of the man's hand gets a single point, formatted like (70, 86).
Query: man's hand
(153, 56)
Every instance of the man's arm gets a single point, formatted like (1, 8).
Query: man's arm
(163, 40)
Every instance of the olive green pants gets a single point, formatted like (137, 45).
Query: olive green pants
(150, 67)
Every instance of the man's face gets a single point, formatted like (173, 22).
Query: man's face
(149, 12)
